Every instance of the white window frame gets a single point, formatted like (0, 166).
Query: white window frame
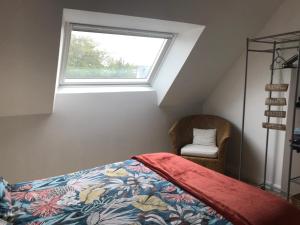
(69, 27)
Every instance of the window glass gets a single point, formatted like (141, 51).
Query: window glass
(96, 55)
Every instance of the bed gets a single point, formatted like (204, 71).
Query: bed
(158, 188)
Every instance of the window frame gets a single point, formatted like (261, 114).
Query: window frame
(69, 27)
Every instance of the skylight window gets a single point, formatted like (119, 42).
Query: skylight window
(108, 55)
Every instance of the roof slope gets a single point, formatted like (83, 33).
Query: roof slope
(228, 23)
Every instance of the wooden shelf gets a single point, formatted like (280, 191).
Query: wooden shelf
(276, 101)
(283, 68)
(277, 87)
(275, 113)
(274, 126)
(296, 147)
(295, 180)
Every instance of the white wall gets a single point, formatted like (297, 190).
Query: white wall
(28, 56)
(30, 32)
(295, 188)
(85, 130)
(90, 129)
(226, 101)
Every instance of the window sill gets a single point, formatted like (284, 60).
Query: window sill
(101, 89)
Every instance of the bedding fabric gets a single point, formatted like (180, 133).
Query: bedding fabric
(5, 200)
(120, 193)
(239, 202)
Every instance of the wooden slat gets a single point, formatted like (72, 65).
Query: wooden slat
(276, 87)
(276, 101)
(274, 126)
(273, 113)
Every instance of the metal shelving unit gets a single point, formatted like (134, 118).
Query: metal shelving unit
(276, 43)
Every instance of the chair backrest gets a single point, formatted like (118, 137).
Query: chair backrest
(186, 125)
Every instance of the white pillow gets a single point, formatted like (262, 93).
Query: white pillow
(204, 137)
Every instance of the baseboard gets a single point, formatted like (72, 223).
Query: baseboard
(276, 188)
(232, 172)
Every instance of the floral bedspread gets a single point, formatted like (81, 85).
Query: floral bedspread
(119, 193)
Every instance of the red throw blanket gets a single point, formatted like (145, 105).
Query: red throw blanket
(240, 203)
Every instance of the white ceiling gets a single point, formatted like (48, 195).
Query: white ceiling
(30, 33)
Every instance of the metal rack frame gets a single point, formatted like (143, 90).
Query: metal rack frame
(290, 38)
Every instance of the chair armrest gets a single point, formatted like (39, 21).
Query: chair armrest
(172, 130)
(224, 141)
(175, 137)
(222, 147)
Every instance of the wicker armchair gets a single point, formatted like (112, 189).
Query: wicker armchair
(181, 134)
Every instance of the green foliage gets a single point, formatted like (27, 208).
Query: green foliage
(86, 60)
(83, 53)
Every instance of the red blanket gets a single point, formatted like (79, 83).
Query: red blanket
(239, 202)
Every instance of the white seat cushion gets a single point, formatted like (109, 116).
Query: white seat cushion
(200, 150)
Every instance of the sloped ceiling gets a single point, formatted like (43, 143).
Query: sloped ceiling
(30, 33)
(228, 24)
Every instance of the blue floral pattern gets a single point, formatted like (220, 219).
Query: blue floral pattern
(120, 193)
(5, 199)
